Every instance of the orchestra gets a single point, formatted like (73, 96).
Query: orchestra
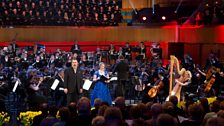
(146, 76)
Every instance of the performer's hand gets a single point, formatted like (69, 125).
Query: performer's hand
(65, 90)
(80, 90)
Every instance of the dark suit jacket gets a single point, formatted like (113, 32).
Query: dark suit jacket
(122, 70)
(73, 82)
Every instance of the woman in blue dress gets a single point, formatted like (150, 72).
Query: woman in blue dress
(101, 89)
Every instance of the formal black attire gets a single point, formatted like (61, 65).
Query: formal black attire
(73, 82)
(127, 52)
(76, 49)
(58, 94)
(122, 70)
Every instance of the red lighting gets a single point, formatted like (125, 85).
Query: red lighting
(163, 17)
(144, 18)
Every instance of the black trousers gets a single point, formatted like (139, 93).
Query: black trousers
(72, 97)
(120, 89)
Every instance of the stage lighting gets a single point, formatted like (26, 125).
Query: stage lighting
(144, 18)
(164, 18)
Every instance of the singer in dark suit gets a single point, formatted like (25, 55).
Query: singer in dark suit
(73, 82)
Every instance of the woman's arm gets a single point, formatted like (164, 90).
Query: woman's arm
(95, 78)
(182, 84)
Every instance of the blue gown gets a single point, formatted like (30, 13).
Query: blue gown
(101, 90)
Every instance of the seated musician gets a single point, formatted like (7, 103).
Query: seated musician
(127, 51)
(98, 55)
(183, 80)
(76, 48)
(76, 56)
(58, 93)
(142, 51)
(112, 54)
(156, 51)
(187, 62)
(35, 95)
(212, 60)
(159, 88)
(85, 62)
(209, 85)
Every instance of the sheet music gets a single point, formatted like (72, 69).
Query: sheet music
(15, 86)
(113, 78)
(55, 84)
(87, 84)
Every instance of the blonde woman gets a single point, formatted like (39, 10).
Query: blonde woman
(101, 89)
(183, 80)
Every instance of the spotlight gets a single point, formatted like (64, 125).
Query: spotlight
(164, 18)
(144, 18)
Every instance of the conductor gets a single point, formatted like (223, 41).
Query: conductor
(122, 70)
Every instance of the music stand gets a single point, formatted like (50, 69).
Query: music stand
(76, 51)
(135, 49)
(139, 57)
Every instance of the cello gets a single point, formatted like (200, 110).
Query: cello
(210, 79)
(156, 88)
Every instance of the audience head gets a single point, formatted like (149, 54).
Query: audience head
(64, 113)
(156, 109)
(102, 110)
(166, 120)
(173, 99)
(72, 107)
(120, 102)
(168, 108)
(44, 108)
(222, 105)
(98, 121)
(220, 114)
(84, 106)
(215, 121)
(53, 110)
(113, 117)
(97, 103)
(204, 103)
(138, 122)
(215, 106)
(196, 111)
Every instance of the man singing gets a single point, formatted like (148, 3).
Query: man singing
(73, 82)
